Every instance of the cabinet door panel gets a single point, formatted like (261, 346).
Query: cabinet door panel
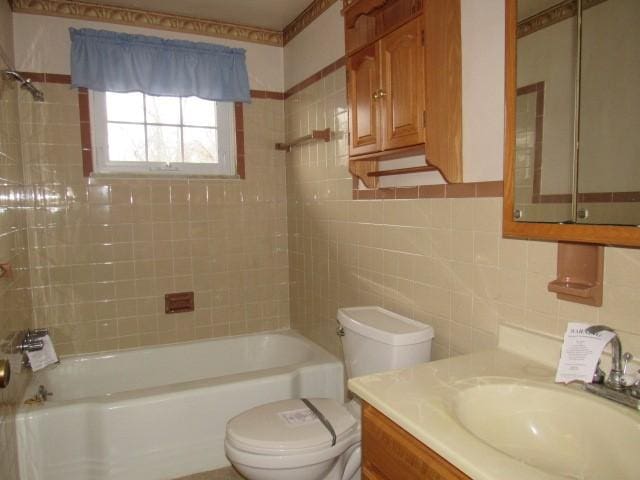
(389, 452)
(402, 58)
(363, 70)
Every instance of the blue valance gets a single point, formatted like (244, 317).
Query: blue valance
(119, 62)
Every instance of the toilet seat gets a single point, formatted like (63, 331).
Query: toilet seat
(282, 435)
(288, 426)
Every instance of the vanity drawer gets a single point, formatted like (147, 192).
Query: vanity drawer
(389, 453)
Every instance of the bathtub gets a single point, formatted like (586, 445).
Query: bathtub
(160, 412)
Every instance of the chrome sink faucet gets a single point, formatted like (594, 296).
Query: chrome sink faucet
(614, 387)
(614, 379)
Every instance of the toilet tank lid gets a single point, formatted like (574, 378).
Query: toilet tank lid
(384, 326)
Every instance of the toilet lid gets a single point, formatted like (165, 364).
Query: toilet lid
(287, 425)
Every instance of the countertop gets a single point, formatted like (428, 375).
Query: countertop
(422, 399)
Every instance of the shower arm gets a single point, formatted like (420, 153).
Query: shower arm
(36, 93)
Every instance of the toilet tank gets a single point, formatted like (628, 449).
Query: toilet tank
(375, 340)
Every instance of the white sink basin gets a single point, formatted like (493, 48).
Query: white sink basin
(562, 432)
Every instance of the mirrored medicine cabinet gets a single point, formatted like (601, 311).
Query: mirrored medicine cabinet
(572, 145)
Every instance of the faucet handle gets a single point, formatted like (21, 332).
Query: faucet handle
(37, 333)
(634, 389)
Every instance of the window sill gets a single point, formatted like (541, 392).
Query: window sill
(159, 176)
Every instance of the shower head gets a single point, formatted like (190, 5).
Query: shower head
(37, 94)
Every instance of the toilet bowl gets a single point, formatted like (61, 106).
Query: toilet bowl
(290, 440)
(284, 440)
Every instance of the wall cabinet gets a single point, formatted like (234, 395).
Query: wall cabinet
(401, 95)
(363, 84)
(404, 85)
(387, 92)
(390, 453)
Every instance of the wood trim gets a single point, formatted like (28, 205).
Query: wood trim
(148, 19)
(381, 35)
(443, 67)
(390, 154)
(306, 18)
(600, 234)
(400, 171)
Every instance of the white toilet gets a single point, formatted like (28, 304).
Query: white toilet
(285, 441)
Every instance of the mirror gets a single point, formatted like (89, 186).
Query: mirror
(577, 112)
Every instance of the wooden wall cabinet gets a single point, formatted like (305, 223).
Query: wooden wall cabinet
(401, 95)
(390, 453)
(364, 116)
(404, 85)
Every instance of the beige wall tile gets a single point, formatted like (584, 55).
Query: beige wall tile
(440, 260)
(113, 249)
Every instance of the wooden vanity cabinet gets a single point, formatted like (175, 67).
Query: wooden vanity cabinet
(390, 453)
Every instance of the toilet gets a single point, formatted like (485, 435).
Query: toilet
(286, 440)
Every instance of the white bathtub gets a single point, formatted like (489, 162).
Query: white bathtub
(160, 412)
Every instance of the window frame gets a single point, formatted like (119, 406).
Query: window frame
(230, 146)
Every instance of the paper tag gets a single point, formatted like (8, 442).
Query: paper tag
(580, 353)
(296, 418)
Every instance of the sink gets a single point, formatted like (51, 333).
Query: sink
(558, 430)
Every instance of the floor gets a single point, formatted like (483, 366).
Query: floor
(227, 473)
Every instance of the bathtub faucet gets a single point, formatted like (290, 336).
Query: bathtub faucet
(32, 340)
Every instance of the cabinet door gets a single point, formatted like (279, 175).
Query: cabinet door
(390, 453)
(364, 81)
(402, 101)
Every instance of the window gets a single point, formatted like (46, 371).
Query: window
(139, 133)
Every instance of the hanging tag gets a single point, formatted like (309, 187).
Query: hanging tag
(580, 353)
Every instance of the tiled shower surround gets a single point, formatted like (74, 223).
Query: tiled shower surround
(285, 247)
(104, 251)
(441, 261)
(15, 300)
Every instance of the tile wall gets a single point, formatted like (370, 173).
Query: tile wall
(105, 250)
(15, 303)
(441, 261)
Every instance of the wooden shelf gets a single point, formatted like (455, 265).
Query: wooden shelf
(324, 135)
(400, 171)
(390, 154)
